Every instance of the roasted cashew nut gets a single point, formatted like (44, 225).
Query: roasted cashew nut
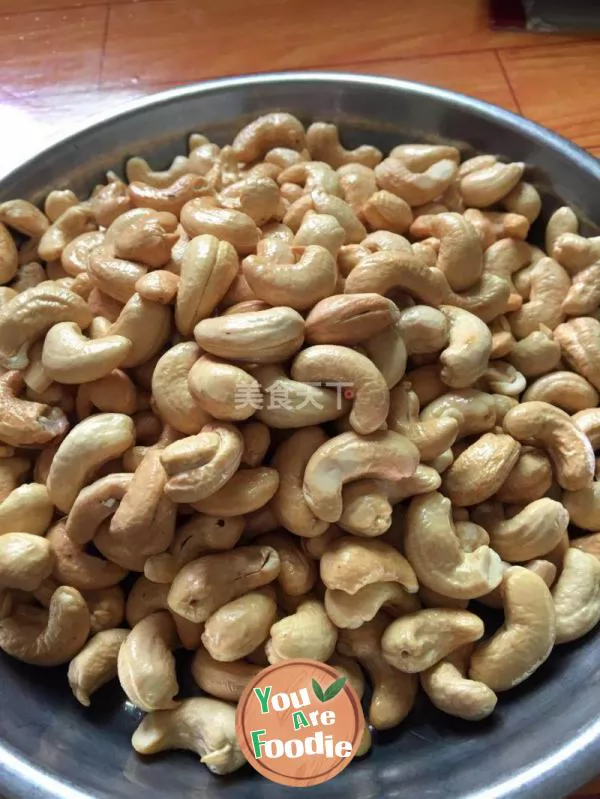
(336, 365)
(52, 637)
(206, 726)
(434, 552)
(543, 425)
(96, 664)
(526, 638)
(417, 641)
(576, 596)
(146, 666)
(386, 455)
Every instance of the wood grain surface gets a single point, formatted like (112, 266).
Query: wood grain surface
(65, 60)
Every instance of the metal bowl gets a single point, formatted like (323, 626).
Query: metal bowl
(544, 738)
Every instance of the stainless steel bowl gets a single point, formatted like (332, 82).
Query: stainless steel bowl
(544, 739)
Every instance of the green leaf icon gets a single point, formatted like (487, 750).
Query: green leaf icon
(334, 689)
(329, 693)
(318, 691)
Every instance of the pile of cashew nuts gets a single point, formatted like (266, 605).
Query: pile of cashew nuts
(172, 350)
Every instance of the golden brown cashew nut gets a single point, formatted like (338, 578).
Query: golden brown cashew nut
(90, 444)
(434, 552)
(51, 638)
(349, 564)
(575, 252)
(394, 692)
(96, 664)
(466, 357)
(231, 227)
(578, 339)
(296, 285)
(523, 199)
(158, 286)
(75, 258)
(73, 566)
(208, 268)
(172, 396)
(487, 186)
(307, 633)
(289, 504)
(146, 666)
(206, 726)
(398, 269)
(526, 638)
(542, 425)
(349, 611)
(171, 198)
(235, 630)
(432, 436)
(146, 324)
(291, 403)
(223, 390)
(322, 141)
(266, 132)
(368, 503)
(70, 224)
(474, 410)
(576, 596)
(536, 354)
(145, 517)
(386, 211)
(222, 680)
(206, 584)
(200, 465)
(481, 469)
(115, 277)
(460, 256)
(357, 184)
(424, 329)
(70, 357)
(418, 641)
(139, 169)
(566, 390)
(385, 455)
(268, 336)
(297, 574)
(420, 157)
(22, 422)
(388, 352)
(27, 509)
(583, 507)
(30, 314)
(94, 504)
(417, 188)
(335, 364)
(199, 535)
(57, 202)
(545, 285)
(247, 491)
(9, 260)
(106, 606)
(532, 533)
(25, 561)
(449, 689)
(529, 479)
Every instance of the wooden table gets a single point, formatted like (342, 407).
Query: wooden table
(65, 60)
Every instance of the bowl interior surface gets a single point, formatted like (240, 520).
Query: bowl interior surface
(544, 738)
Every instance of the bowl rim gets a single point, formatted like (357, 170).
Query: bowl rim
(514, 120)
(580, 753)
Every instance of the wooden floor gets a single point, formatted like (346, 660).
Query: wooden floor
(62, 61)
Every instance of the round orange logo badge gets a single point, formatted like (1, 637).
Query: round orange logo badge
(299, 722)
